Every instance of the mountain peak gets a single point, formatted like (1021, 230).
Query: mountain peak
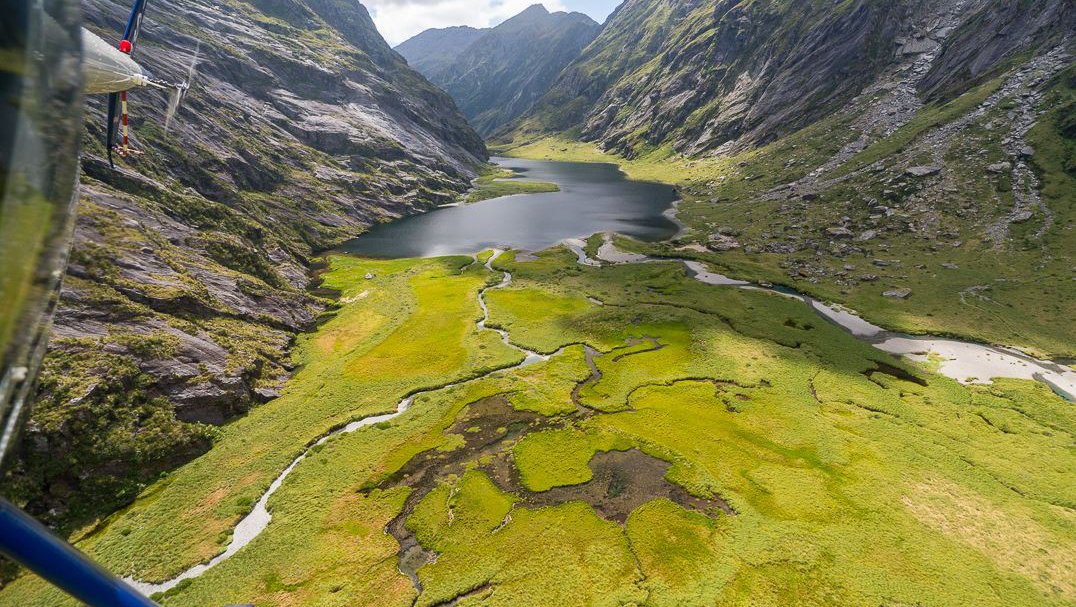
(534, 13)
(501, 72)
(535, 9)
(539, 14)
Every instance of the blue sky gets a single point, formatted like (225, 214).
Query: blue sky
(398, 20)
(598, 9)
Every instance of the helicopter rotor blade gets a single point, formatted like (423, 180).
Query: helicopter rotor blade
(179, 92)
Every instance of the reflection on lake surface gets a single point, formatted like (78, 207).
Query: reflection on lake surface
(592, 198)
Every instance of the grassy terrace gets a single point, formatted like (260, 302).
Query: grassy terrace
(706, 446)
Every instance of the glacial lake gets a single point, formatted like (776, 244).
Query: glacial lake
(592, 198)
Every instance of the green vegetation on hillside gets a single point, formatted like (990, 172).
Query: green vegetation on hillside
(708, 445)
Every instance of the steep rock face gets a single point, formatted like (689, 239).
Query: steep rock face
(708, 73)
(709, 77)
(435, 50)
(189, 272)
(500, 75)
(992, 36)
(633, 35)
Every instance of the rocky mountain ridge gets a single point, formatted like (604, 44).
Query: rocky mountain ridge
(189, 274)
(708, 78)
(496, 75)
(435, 50)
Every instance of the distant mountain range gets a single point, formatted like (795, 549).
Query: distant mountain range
(496, 75)
(435, 50)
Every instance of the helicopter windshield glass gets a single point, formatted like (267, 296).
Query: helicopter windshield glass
(40, 117)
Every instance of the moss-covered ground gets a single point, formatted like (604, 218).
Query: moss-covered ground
(690, 445)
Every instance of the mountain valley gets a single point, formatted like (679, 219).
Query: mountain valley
(757, 302)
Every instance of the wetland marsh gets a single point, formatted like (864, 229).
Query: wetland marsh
(524, 429)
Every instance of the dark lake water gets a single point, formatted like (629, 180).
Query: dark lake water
(592, 198)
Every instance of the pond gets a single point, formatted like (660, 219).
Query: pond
(592, 198)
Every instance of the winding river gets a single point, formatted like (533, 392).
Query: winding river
(599, 198)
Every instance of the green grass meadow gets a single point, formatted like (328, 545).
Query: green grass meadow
(850, 486)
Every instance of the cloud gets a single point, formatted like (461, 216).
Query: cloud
(398, 20)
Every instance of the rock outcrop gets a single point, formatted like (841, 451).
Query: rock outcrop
(991, 38)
